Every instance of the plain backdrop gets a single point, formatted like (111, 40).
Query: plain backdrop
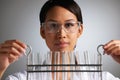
(19, 19)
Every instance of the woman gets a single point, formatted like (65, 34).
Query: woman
(61, 26)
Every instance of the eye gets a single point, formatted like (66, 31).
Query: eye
(52, 25)
(68, 25)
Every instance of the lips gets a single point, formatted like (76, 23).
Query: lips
(61, 44)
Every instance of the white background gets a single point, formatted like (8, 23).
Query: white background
(19, 19)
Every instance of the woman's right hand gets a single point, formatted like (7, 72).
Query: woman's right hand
(10, 51)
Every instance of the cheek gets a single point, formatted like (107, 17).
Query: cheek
(73, 39)
(50, 40)
(74, 36)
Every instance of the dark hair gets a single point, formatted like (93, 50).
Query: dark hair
(70, 5)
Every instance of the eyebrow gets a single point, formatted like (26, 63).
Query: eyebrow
(51, 20)
(57, 21)
(69, 20)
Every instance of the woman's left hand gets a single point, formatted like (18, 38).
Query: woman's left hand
(113, 48)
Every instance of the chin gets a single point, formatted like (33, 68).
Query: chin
(62, 50)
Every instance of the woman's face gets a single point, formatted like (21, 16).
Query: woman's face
(61, 40)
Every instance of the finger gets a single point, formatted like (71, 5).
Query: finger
(10, 50)
(108, 49)
(14, 45)
(8, 56)
(18, 42)
(111, 43)
(115, 51)
(12, 58)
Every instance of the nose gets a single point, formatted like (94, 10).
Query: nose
(61, 33)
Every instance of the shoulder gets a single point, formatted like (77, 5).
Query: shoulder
(17, 76)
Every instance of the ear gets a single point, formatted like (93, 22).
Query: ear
(42, 32)
(80, 30)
